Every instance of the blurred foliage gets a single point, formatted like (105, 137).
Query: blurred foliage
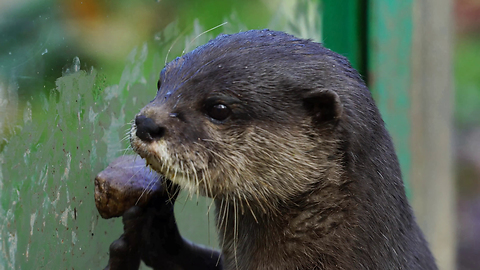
(467, 80)
(38, 37)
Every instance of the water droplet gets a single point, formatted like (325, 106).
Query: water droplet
(76, 64)
(44, 52)
(10, 53)
(27, 114)
(75, 67)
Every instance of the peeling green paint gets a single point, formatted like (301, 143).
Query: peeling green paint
(390, 52)
(47, 175)
(376, 36)
(48, 218)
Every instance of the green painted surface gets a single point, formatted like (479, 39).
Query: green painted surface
(344, 30)
(48, 218)
(47, 214)
(389, 74)
(376, 36)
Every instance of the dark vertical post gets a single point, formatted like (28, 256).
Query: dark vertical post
(376, 37)
(345, 30)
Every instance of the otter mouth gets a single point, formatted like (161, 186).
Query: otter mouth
(158, 158)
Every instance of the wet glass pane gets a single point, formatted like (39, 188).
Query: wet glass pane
(72, 76)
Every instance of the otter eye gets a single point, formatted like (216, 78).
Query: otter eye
(219, 111)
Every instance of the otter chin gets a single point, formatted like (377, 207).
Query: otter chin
(284, 135)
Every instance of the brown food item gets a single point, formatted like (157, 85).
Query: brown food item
(124, 183)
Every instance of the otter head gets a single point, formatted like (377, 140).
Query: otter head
(250, 116)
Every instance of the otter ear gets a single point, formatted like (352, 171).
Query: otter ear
(323, 104)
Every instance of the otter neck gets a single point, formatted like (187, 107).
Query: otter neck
(304, 232)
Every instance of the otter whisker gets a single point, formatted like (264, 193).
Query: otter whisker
(209, 183)
(211, 204)
(126, 137)
(167, 172)
(124, 150)
(185, 202)
(175, 173)
(204, 183)
(264, 210)
(152, 182)
(235, 230)
(196, 179)
(220, 213)
(239, 197)
(251, 210)
(135, 174)
(204, 32)
(169, 195)
(220, 220)
(229, 162)
(208, 227)
(173, 44)
(227, 208)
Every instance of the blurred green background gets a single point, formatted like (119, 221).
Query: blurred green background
(72, 76)
(74, 73)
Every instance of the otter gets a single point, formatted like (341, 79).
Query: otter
(284, 135)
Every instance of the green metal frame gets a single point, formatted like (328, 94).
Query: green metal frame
(376, 36)
(345, 30)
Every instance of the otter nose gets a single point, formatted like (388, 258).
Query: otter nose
(147, 129)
